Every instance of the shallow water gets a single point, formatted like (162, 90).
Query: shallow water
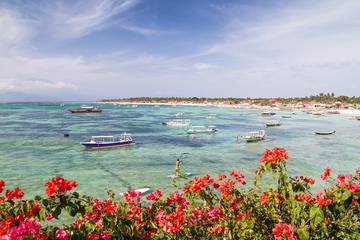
(33, 149)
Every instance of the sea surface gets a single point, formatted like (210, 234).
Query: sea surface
(33, 148)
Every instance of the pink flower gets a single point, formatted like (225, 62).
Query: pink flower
(61, 234)
(49, 217)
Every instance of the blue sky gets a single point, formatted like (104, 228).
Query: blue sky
(90, 49)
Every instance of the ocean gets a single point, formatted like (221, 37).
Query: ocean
(33, 148)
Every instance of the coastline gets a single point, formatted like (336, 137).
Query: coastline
(311, 108)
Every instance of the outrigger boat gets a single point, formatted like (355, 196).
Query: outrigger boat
(85, 109)
(267, 114)
(108, 141)
(202, 129)
(325, 133)
(273, 124)
(178, 123)
(253, 136)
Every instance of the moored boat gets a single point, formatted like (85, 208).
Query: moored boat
(108, 141)
(202, 129)
(178, 123)
(267, 114)
(273, 124)
(333, 112)
(286, 116)
(325, 132)
(212, 116)
(253, 136)
(85, 109)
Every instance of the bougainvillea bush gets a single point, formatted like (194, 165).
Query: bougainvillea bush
(219, 207)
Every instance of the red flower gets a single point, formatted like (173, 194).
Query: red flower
(221, 177)
(2, 184)
(239, 177)
(216, 229)
(304, 198)
(35, 207)
(322, 200)
(49, 217)
(226, 188)
(273, 156)
(286, 229)
(264, 198)
(18, 193)
(59, 185)
(9, 194)
(154, 196)
(325, 174)
(353, 187)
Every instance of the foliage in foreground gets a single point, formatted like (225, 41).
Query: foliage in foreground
(206, 208)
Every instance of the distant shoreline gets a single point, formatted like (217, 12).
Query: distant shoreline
(310, 108)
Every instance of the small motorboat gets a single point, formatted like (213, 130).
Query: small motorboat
(267, 114)
(317, 113)
(253, 136)
(325, 132)
(286, 116)
(108, 141)
(183, 175)
(85, 109)
(273, 124)
(211, 116)
(140, 190)
(178, 123)
(202, 129)
(180, 115)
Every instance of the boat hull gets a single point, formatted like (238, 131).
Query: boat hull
(325, 133)
(106, 145)
(85, 110)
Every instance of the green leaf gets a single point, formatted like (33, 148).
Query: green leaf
(316, 215)
(345, 196)
(303, 233)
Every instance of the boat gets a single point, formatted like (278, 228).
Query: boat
(85, 109)
(273, 124)
(179, 115)
(202, 129)
(317, 113)
(108, 141)
(325, 132)
(286, 116)
(253, 136)
(178, 123)
(333, 112)
(184, 175)
(212, 116)
(358, 118)
(267, 114)
(140, 190)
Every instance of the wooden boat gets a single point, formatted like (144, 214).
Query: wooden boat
(325, 132)
(140, 190)
(85, 109)
(108, 141)
(273, 124)
(267, 114)
(253, 136)
(202, 129)
(178, 123)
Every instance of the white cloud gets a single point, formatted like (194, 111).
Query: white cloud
(202, 66)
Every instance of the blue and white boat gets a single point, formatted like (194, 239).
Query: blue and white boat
(108, 141)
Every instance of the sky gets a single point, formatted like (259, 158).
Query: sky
(93, 49)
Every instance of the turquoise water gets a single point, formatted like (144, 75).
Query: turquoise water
(33, 149)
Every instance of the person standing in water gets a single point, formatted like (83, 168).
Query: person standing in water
(177, 167)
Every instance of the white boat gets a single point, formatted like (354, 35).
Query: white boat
(108, 141)
(202, 129)
(212, 116)
(140, 190)
(253, 136)
(184, 175)
(179, 115)
(273, 124)
(178, 123)
(325, 132)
